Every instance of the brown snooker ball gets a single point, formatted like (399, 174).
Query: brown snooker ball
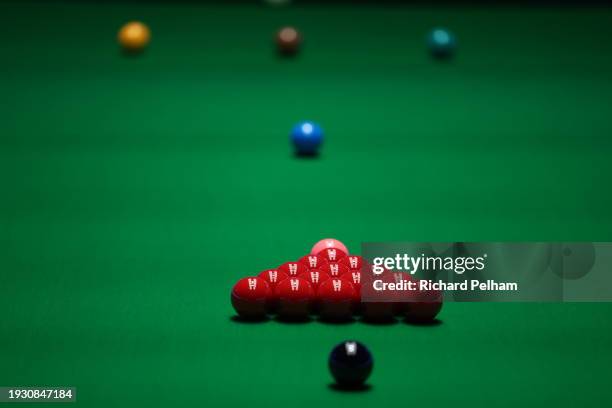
(288, 41)
(134, 36)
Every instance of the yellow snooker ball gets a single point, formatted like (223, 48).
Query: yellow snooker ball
(134, 36)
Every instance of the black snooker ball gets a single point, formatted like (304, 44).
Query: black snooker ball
(350, 363)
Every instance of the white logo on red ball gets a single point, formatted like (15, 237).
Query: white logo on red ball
(331, 253)
(337, 284)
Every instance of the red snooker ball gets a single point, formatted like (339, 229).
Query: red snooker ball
(311, 261)
(402, 298)
(250, 297)
(423, 312)
(336, 299)
(295, 298)
(334, 269)
(293, 268)
(423, 306)
(331, 255)
(273, 276)
(328, 243)
(353, 262)
(377, 306)
(377, 311)
(314, 277)
(355, 278)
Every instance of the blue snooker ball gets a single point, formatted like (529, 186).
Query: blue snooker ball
(441, 43)
(307, 137)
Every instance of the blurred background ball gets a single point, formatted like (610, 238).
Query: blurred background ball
(441, 43)
(572, 260)
(134, 36)
(277, 3)
(288, 41)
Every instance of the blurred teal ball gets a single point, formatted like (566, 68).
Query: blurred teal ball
(441, 43)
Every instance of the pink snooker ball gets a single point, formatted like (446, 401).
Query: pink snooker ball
(328, 243)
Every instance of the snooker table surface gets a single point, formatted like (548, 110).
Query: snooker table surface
(137, 190)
